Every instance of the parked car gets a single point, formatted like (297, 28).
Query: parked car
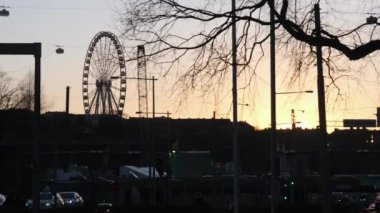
(2, 199)
(103, 208)
(71, 199)
(47, 200)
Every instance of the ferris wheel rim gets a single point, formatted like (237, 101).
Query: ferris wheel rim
(104, 78)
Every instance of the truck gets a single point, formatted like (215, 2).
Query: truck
(191, 164)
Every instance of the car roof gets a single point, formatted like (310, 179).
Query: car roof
(68, 192)
(104, 204)
(46, 193)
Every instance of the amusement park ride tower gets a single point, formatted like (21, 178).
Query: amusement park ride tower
(142, 81)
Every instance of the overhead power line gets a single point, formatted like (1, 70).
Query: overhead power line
(63, 8)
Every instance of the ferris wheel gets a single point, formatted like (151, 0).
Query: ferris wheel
(104, 76)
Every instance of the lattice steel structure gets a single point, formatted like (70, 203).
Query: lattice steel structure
(142, 81)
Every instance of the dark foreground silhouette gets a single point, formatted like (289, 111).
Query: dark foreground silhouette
(187, 209)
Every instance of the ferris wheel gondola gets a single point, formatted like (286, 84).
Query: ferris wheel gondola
(104, 76)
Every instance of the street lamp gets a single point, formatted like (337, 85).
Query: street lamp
(292, 92)
(242, 105)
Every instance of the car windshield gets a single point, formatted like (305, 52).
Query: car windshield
(67, 195)
(46, 196)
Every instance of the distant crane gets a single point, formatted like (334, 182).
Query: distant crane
(293, 117)
(142, 81)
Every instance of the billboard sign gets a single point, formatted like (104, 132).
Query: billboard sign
(359, 123)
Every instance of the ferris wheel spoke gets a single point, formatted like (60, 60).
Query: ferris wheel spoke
(93, 67)
(114, 100)
(93, 71)
(101, 57)
(106, 70)
(97, 70)
(92, 101)
(95, 60)
(109, 58)
(110, 67)
(97, 102)
(99, 60)
(111, 72)
(107, 64)
(116, 88)
(101, 102)
(110, 108)
(104, 56)
(91, 92)
(114, 69)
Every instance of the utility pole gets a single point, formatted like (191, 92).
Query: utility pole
(235, 142)
(154, 97)
(37, 117)
(325, 167)
(67, 100)
(273, 153)
(151, 140)
(154, 141)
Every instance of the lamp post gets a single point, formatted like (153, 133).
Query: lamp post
(325, 167)
(273, 144)
(235, 142)
(273, 154)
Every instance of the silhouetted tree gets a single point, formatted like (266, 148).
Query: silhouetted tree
(21, 95)
(8, 93)
(197, 34)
